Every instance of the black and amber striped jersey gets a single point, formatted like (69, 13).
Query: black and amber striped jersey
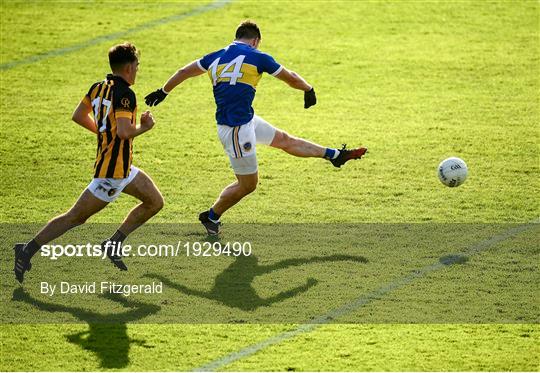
(111, 99)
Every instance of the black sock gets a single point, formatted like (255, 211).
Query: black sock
(31, 248)
(117, 237)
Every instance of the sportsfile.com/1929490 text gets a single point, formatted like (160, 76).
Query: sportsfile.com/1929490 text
(181, 248)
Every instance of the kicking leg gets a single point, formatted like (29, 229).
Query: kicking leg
(296, 146)
(303, 148)
(86, 206)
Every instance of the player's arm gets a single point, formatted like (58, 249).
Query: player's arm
(189, 71)
(128, 130)
(297, 82)
(125, 107)
(293, 80)
(82, 116)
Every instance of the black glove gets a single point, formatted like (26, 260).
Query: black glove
(155, 97)
(309, 98)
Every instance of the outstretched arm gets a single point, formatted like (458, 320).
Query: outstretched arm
(296, 81)
(189, 71)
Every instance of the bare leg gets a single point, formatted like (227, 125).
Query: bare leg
(296, 146)
(86, 206)
(233, 193)
(144, 189)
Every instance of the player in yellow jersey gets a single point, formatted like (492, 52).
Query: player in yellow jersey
(109, 110)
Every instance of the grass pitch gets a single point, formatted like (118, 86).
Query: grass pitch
(415, 82)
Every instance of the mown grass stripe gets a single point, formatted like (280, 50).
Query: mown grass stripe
(115, 35)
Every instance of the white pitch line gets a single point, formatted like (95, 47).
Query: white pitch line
(358, 303)
(216, 4)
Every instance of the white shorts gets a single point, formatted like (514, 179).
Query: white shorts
(108, 189)
(240, 143)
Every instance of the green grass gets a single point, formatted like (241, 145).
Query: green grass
(331, 348)
(414, 81)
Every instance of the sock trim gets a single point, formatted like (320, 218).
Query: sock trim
(212, 216)
(331, 153)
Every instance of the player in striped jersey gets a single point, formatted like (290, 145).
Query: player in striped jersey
(109, 110)
(234, 72)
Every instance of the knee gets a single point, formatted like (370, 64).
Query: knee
(157, 203)
(287, 141)
(281, 140)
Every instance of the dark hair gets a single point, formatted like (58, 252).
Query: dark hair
(122, 54)
(248, 30)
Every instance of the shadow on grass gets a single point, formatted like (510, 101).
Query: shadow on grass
(107, 333)
(233, 287)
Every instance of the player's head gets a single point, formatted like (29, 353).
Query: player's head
(249, 32)
(124, 61)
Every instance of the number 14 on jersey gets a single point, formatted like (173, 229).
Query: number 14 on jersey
(232, 70)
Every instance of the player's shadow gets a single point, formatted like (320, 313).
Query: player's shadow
(233, 287)
(107, 333)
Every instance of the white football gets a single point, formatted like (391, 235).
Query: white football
(452, 172)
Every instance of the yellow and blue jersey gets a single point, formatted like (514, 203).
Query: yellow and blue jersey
(235, 72)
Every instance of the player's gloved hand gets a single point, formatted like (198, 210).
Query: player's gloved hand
(155, 97)
(309, 98)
